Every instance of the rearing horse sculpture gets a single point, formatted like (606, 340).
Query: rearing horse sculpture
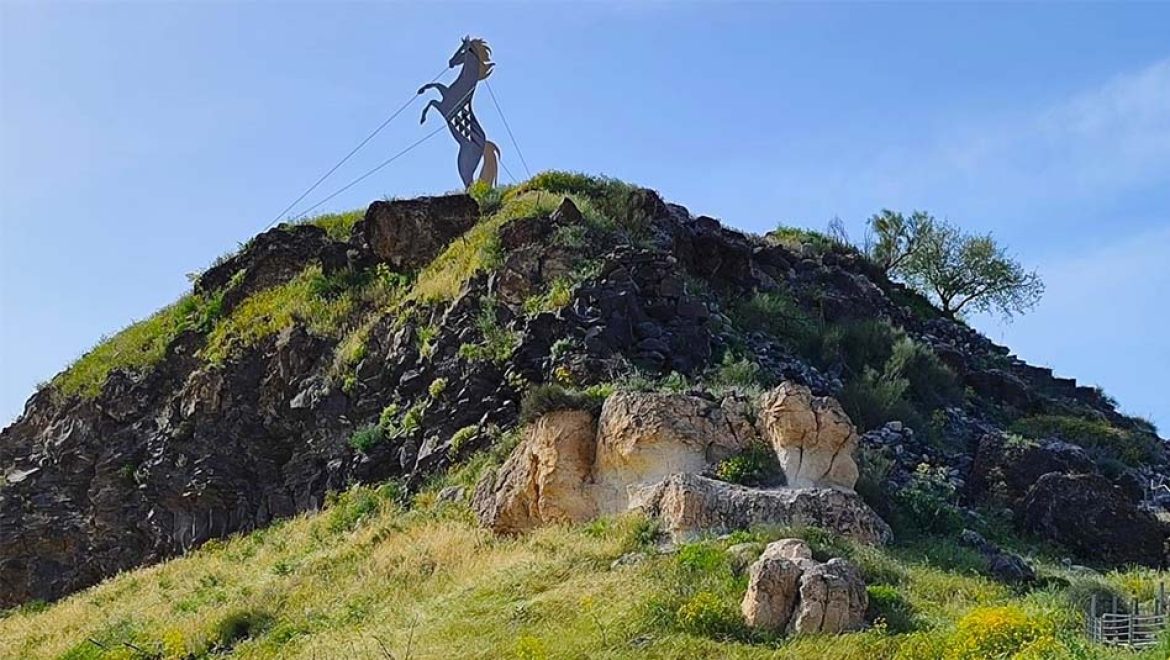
(474, 56)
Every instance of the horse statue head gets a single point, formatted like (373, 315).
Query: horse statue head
(474, 48)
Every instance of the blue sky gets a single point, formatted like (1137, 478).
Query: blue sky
(139, 141)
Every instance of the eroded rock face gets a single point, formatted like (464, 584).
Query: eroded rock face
(789, 591)
(407, 234)
(689, 503)
(813, 437)
(545, 479)
(832, 599)
(644, 437)
(773, 586)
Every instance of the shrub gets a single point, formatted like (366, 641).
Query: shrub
(995, 632)
(436, 387)
(873, 466)
(738, 372)
(461, 437)
(776, 314)
(888, 604)
(854, 346)
(546, 398)
(708, 614)
(498, 342)
(755, 465)
(872, 399)
(386, 419)
(927, 501)
(239, 625)
(489, 198)
(930, 383)
(559, 294)
(1132, 447)
(795, 238)
(365, 438)
(339, 226)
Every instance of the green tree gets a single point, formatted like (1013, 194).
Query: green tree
(894, 238)
(958, 271)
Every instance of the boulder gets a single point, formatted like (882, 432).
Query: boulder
(832, 599)
(408, 234)
(999, 564)
(545, 478)
(812, 436)
(688, 504)
(773, 586)
(644, 437)
(1005, 468)
(790, 591)
(1091, 517)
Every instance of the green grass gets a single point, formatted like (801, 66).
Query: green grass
(366, 574)
(476, 251)
(302, 299)
(138, 346)
(1134, 448)
(339, 226)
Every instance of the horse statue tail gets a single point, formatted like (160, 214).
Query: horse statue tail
(491, 162)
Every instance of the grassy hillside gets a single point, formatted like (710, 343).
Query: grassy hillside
(372, 576)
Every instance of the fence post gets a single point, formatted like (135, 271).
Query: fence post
(1092, 625)
(1132, 616)
(1161, 598)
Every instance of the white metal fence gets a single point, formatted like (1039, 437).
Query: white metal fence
(1109, 623)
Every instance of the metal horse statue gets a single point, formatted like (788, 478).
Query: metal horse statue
(455, 106)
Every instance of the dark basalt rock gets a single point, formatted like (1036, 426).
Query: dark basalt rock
(407, 234)
(269, 259)
(1005, 469)
(1001, 565)
(1089, 516)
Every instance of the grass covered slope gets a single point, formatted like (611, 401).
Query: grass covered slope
(373, 577)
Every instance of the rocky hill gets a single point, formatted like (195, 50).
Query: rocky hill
(423, 335)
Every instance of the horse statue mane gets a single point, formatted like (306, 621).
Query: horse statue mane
(483, 52)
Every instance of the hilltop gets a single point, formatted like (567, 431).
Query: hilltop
(383, 364)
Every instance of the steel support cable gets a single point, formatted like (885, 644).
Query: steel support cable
(349, 155)
(389, 160)
(507, 127)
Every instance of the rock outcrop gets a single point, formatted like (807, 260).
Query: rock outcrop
(789, 591)
(160, 455)
(546, 478)
(1094, 519)
(1006, 567)
(812, 435)
(649, 452)
(644, 437)
(407, 234)
(688, 504)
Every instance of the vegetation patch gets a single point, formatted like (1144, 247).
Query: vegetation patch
(756, 465)
(546, 398)
(1132, 447)
(310, 298)
(139, 346)
(339, 226)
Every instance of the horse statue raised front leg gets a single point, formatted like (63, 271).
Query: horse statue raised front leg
(455, 106)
